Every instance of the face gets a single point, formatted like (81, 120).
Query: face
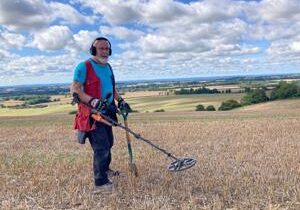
(102, 48)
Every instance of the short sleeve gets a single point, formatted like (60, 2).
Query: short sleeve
(80, 73)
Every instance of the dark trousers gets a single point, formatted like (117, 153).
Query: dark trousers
(101, 140)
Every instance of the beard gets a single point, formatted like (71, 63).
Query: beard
(103, 60)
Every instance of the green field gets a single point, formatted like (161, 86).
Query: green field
(141, 104)
(179, 102)
(58, 108)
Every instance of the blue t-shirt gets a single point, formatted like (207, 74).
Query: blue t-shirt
(103, 73)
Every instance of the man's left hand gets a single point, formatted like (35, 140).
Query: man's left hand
(123, 105)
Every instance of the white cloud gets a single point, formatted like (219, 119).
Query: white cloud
(215, 10)
(4, 55)
(160, 44)
(177, 27)
(159, 37)
(273, 32)
(283, 53)
(162, 11)
(233, 50)
(115, 11)
(24, 14)
(54, 38)
(39, 65)
(121, 33)
(279, 10)
(83, 40)
(158, 11)
(295, 46)
(12, 40)
(69, 14)
(38, 14)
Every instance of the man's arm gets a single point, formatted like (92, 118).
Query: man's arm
(76, 87)
(116, 96)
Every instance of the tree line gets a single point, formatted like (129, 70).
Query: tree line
(201, 90)
(30, 100)
(283, 90)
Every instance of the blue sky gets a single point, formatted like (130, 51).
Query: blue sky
(42, 41)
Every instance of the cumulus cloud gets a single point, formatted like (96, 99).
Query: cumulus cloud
(280, 10)
(295, 46)
(8, 39)
(158, 11)
(173, 26)
(39, 65)
(115, 11)
(83, 40)
(163, 37)
(38, 14)
(24, 14)
(121, 33)
(4, 54)
(54, 38)
(283, 48)
(214, 10)
(159, 44)
(69, 14)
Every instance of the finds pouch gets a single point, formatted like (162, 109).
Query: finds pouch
(81, 136)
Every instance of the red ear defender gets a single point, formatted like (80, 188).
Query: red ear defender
(93, 50)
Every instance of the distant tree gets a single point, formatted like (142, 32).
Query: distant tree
(229, 104)
(285, 90)
(215, 90)
(247, 89)
(39, 106)
(210, 108)
(38, 100)
(132, 111)
(201, 90)
(200, 107)
(73, 112)
(228, 91)
(19, 106)
(254, 97)
(159, 110)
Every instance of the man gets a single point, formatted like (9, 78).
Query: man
(94, 81)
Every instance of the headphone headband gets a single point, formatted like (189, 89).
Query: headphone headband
(93, 49)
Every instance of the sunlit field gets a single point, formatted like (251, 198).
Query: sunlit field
(247, 159)
(141, 102)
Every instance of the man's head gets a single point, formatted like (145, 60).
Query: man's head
(101, 49)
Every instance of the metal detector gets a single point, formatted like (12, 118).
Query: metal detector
(179, 164)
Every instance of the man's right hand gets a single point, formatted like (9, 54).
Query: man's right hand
(96, 103)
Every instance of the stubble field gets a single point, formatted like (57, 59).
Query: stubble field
(247, 159)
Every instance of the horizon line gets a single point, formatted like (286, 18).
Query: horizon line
(163, 79)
